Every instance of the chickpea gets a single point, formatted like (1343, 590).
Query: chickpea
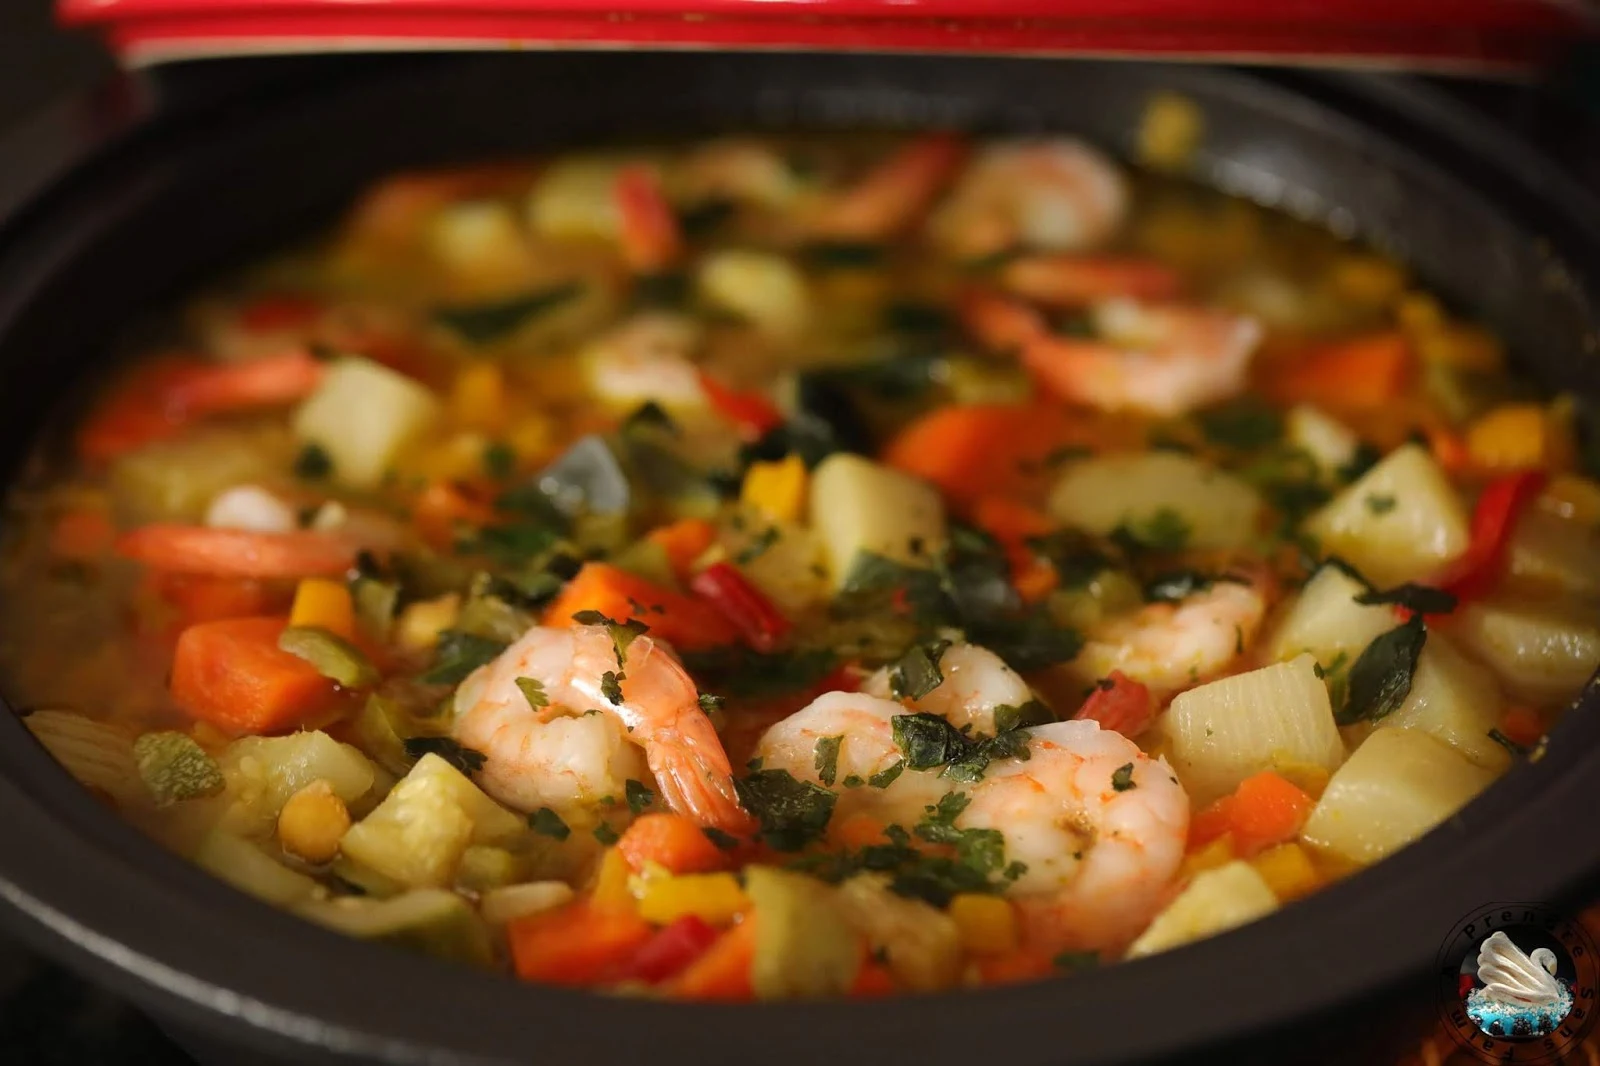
(313, 822)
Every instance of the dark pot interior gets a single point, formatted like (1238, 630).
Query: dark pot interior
(197, 186)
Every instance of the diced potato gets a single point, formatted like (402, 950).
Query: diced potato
(363, 415)
(491, 823)
(1402, 521)
(1549, 553)
(1214, 902)
(1224, 731)
(1395, 787)
(861, 506)
(249, 869)
(922, 945)
(502, 905)
(481, 241)
(1158, 496)
(416, 836)
(789, 570)
(1330, 443)
(760, 287)
(176, 480)
(1540, 652)
(1452, 699)
(804, 945)
(575, 197)
(263, 772)
(1327, 622)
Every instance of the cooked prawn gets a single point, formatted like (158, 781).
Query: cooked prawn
(738, 170)
(894, 194)
(1082, 280)
(651, 239)
(1057, 195)
(1170, 646)
(865, 724)
(1100, 826)
(581, 747)
(976, 682)
(647, 358)
(1162, 360)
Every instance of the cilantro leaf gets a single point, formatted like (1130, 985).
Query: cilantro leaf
(792, 813)
(547, 822)
(639, 795)
(1418, 599)
(533, 692)
(450, 750)
(458, 654)
(1008, 717)
(825, 758)
(487, 322)
(725, 841)
(1380, 679)
(758, 546)
(313, 463)
(928, 740)
(917, 673)
(886, 777)
(1243, 425)
(605, 834)
(611, 686)
(622, 633)
(711, 704)
(1122, 778)
(1162, 530)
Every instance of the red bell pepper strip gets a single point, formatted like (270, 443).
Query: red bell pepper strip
(651, 241)
(752, 412)
(1501, 504)
(742, 604)
(1119, 703)
(670, 950)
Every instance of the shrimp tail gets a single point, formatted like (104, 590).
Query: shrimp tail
(696, 780)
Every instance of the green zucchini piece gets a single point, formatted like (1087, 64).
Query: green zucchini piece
(175, 768)
(332, 655)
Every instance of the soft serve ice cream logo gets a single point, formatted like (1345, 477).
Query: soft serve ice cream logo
(1517, 983)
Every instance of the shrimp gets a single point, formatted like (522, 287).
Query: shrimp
(1171, 646)
(742, 171)
(647, 358)
(1159, 359)
(893, 195)
(1082, 280)
(976, 682)
(581, 747)
(867, 748)
(1057, 195)
(1100, 826)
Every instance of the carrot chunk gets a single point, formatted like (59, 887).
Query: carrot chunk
(576, 944)
(199, 598)
(237, 552)
(232, 674)
(673, 841)
(1361, 373)
(980, 450)
(1265, 809)
(684, 541)
(722, 972)
(683, 621)
(1013, 524)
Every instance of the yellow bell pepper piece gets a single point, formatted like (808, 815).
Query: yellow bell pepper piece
(1518, 436)
(713, 898)
(1287, 870)
(1217, 853)
(777, 489)
(1307, 777)
(321, 602)
(478, 397)
(987, 925)
(611, 882)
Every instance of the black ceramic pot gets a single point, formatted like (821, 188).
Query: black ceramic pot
(101, 220)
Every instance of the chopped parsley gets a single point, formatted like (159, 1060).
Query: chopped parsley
(533, 691)
(1380, 679)
(450, 750)
(758, 546)
(485, 323)
(1008, 717)
(792, 813)
(622, 633)
(853, 781)
(547, 822)
(313, 463)
(1507, 743)
(740, 671)
(1418, 599)
(725, 841)
(1122, 778)
(711, 704)
(499, 461)
(1244, 425)
(1163, 530)
(611, 687)
(917, 673)
(825, 758)
(886, 777)
(1179, 585)
(605, 834)
(458, 654)
(928, 740)
(639, 795)
(1379, 504)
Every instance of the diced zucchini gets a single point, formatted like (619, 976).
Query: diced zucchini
(1549, 553)
(783, 560)
(860, 506)
(804, 945)
(176, 480)
(760, 287)
(1277, 716)
(334, 657)
(1330, 443)
(263, 772)
(1327, 622)
(502, 905)
(920, 944)
(249, 869)
(1163, 499)
(429, 920)
(1541, 652)
(1214, 902)
(1401, 521)
(97, 755)
(1452, 699)
(376, 731)
(363, 415)
(1395, 787)
(175, 768)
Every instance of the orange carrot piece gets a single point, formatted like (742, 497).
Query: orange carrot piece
(873, 982)
(858, 830)
(895, 193)
(1211, 822)
(683, 621)
(237, 552)
(575, 944)
(979, 450)
(232, 674)
(82, 534)
(674, 841)
(200, 598)
(722, 972)
(1522, 725)
(651, 240)
(684, 541)
(1080, 280)
(1119, 703)
(998, 322)
(441, 507)
(1013, 524)
(1265, 809)
(1362, 373)
(133, 413)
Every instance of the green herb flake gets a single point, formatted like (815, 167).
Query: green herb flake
(1163, 530)
(1507, 743)
(1418, 599)
(499, 461)
(792, 813)
(605, 834)
(917, 673)
(1122, 778)
(1379, 504)
(886, 777)
(1008, 717)
(639, 796)
(533, 691)
(611, 687)
(758, 546)
(927, 740)
(1245, 425)
(458, 654)
(486, 323)
(1380, 679)
(725, 841)
(450, 750)
(853, 781)
(313, 463)
(825, 758)
(711, 704)
(622, 633)
(1076, 961)
(547, 822)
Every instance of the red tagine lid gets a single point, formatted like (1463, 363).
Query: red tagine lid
(1476, 36)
